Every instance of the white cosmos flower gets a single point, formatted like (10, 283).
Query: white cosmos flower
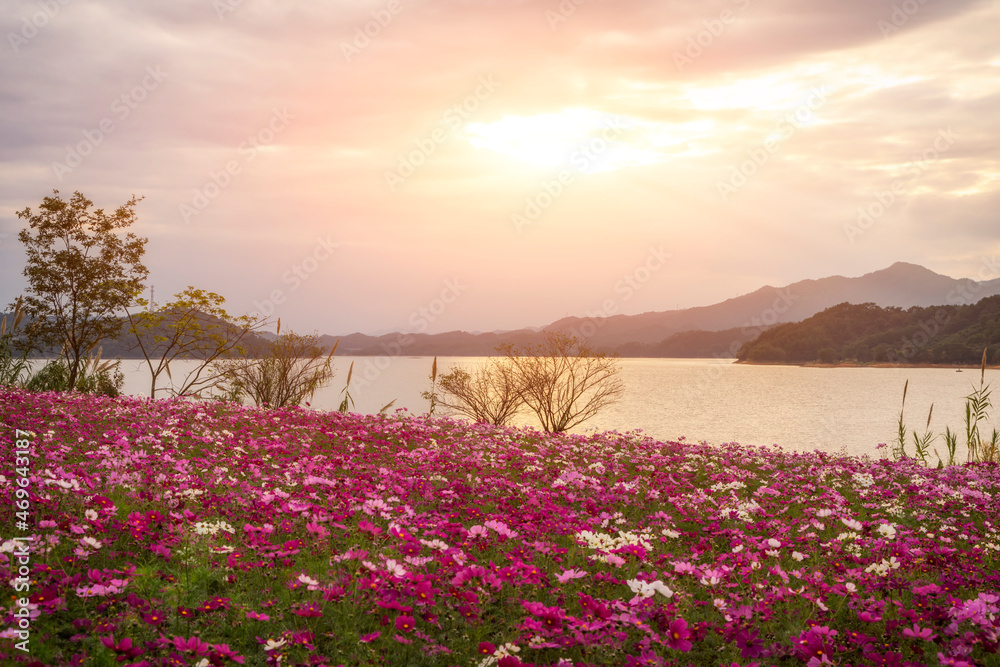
(90, 542)
(641, 588)
(662, 589)
(271, 644)
(888, 530)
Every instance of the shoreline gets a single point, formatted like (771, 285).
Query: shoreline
(879, 364)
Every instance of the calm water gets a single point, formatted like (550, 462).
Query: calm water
(830, 409)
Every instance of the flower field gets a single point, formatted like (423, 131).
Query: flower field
(176, 533)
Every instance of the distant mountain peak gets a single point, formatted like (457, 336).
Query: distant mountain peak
(907, 267)
(903, 284)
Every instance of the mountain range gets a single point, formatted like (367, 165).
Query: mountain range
(716, 330)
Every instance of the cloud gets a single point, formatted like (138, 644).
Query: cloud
(365, 84)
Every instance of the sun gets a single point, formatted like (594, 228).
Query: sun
(581, 139)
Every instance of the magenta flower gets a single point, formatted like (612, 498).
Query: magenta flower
(410, 547)
(309, 610)
(224, 652)
(486, 648)
(370, 637)
(677, 636)
(124, 647)
(257, 616)
(919, 633)
(749, 645)
(405, 623)
(153, 618)
(191, 645)
(953, 661)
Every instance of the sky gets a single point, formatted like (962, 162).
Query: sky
(481, 165)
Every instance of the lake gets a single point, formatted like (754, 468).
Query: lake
(848, 410)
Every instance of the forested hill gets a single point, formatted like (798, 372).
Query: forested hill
(866, 333)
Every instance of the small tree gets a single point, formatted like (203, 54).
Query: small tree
(192, 326)
(563, 381)
(82, 274)
(290, 372)
(491, 394)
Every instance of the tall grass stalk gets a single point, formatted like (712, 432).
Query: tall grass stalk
(976, 405)
(951, 442)
(921, 443)
(348, 403)
(900, 446)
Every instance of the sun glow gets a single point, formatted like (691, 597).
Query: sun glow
(581, 139)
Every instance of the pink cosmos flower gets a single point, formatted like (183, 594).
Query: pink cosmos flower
(569, 575)
(405, 623)
(310, 610)
(124, 647)
(677, 636)
(191, 645)
(317, 530)
(919, 633)
(223, 651)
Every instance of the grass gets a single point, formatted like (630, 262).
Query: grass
(979, 449)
